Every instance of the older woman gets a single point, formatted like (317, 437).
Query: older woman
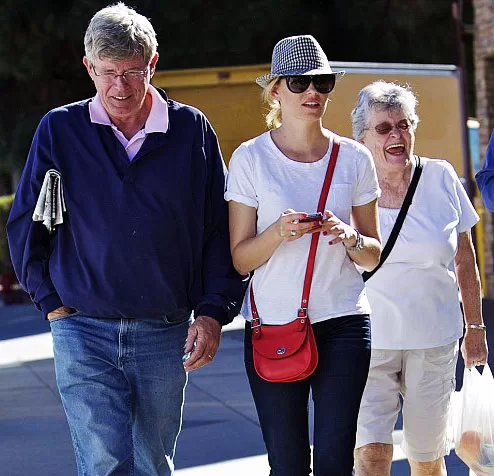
(416, 314)
(274, 182)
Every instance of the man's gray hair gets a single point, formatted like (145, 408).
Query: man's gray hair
(118, 32)
(382, 95)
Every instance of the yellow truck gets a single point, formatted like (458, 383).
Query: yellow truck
(231, 100)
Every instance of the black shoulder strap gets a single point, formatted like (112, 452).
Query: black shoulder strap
(399, 221)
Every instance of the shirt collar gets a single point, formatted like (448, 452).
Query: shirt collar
(157, 120)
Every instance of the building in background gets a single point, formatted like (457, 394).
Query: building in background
(232, 101)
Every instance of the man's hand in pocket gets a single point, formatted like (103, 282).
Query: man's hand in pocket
(59, 312)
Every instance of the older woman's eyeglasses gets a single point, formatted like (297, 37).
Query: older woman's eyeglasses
(131, 76)
(385, 128)
(324, 83)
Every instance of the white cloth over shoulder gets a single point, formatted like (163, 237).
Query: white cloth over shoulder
(51, 202)
(262, 177)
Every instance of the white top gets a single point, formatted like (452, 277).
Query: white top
(262, 177)
(414, 295)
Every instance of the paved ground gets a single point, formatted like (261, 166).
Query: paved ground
(221, 434)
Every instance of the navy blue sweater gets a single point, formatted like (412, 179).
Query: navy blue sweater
(485, 177)
(140, 238)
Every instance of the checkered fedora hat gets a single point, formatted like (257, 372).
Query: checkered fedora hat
(298, 55)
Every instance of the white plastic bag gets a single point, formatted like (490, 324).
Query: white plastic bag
(474, 421)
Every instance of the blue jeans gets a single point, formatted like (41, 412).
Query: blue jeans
(337, 385)
(122, 385)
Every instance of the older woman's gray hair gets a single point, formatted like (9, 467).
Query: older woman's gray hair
(118, 32)
(382, 95)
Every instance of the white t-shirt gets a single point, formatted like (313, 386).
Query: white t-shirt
(262, 177)
(414, 295)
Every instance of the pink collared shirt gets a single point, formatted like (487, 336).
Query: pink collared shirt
(157, 121)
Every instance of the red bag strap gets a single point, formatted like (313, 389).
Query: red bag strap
(304, 304)
(302, 312)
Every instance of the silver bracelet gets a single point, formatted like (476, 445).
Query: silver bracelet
(359, 245)
(480, 327)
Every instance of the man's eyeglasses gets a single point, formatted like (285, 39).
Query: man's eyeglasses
(131, 76)
(385, 128)
(324, 83)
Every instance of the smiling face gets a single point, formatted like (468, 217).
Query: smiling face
(122, 98)
(390, 138)
(309, 105)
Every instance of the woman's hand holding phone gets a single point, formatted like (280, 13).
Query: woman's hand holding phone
(293, 225)
(338, 231)
(312, 217)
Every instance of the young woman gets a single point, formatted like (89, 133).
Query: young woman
(274, 182)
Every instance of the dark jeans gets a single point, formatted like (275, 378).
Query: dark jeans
(337, 385)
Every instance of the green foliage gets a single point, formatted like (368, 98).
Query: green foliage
(42, 46)
(233, 33)
(5, 204)
(399, 31)
(40, 67)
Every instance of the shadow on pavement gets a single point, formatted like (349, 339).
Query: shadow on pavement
(20, 320)
(220, 422)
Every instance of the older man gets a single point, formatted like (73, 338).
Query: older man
(119, 231)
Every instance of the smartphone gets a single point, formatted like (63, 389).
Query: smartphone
(312, 217)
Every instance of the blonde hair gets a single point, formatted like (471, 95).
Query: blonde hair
(273, 117)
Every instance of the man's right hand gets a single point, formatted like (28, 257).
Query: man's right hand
(59, 312)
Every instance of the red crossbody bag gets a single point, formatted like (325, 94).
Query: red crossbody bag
(288, 352)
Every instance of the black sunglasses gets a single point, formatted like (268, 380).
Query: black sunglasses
(324, 83)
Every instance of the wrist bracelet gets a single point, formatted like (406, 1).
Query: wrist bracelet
(480, 327)
(359, 245)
